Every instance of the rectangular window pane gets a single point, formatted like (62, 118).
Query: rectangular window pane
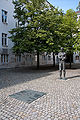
(5, 19)
(19, 58)
(1, 58)
(4, 39)
(4, 16)
(6, 58)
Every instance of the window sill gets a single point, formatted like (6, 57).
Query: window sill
(4, 46)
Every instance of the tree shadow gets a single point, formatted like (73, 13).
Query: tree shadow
(10, 77)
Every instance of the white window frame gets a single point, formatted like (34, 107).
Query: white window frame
(4, 40)
(4, 58)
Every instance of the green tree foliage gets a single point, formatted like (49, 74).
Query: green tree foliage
(30, 35)
(77, 43)
(43, 28)
(53, 19)
(69, 31)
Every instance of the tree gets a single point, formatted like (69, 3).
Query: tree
(30, 35)
(54, 29)
(43, 28)
(52, 21)
(68, 32)
(77, 43)
(78, 7)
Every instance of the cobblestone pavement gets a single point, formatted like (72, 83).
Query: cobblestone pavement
(61, 102)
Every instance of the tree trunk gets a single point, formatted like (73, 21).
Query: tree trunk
(37, 60)
(53, 60)
(70, 61)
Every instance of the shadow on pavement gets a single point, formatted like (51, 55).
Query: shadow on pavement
(73, 77)
(14, 76)
(10, 77)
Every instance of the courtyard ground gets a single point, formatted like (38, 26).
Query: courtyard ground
(61, 101)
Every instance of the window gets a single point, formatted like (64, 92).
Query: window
(77, 57)
(49, 57)
(30, 58)
(18, 58)
(43, 57)
(4, 58)
(4, 39)
(17, 23)
(4, 16)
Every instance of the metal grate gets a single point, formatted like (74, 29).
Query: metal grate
(27, 95)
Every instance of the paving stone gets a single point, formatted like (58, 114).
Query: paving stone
(61, 102)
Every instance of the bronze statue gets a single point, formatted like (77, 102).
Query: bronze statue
(62, 57)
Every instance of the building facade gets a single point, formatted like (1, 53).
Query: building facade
(7, 57)
(7, 22)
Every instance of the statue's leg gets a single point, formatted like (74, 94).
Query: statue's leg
(64, 72)
(60, 74)
(60, 70)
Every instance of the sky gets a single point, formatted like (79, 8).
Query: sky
(65, 4)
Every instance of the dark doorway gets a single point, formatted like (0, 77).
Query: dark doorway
(68, 58)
